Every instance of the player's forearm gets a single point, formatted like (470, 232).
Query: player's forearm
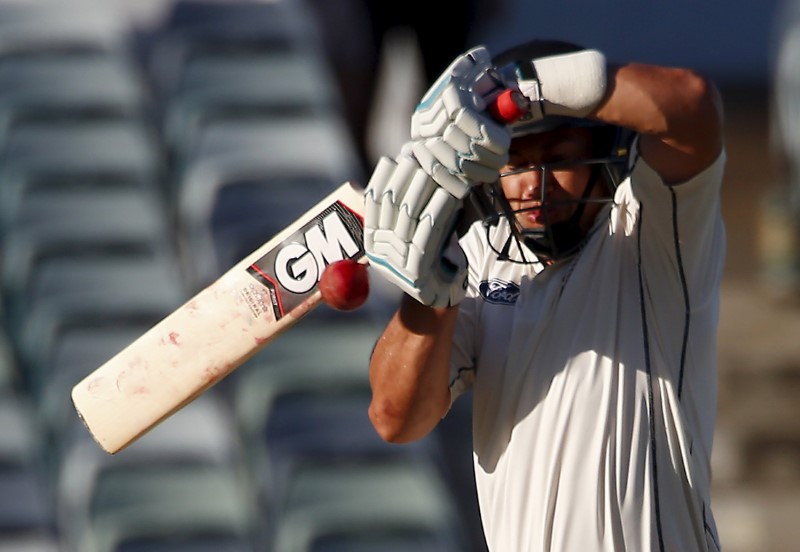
(409, 372)
(677, 112)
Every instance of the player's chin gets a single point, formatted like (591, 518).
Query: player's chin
(537, 219)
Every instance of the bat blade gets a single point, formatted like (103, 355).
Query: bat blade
(221, 327)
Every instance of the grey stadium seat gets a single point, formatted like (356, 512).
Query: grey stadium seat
(70, 294)
(194, 28)
(284, 168)
(246, 85)
(64, 87)
(43, 26)
(182, 479)
(51, 156)
(334, 501)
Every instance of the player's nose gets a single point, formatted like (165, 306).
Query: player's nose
(531, 184)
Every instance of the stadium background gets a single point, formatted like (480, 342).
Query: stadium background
(280, 458)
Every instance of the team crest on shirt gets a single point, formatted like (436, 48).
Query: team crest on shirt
(499, 292)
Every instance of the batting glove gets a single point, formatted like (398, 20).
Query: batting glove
(571, 84)
(455, 140)
(409, 233)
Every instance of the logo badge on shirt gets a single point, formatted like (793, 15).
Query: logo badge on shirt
(499, 292)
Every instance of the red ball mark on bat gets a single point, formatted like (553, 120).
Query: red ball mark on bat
(192, 307)
(212, 374)
(124, 386)
(345, 285)
(173, 338)
(94, 383)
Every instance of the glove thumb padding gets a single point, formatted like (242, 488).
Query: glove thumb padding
(409, 233)
(464, 69)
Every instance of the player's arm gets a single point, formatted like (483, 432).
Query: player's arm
(677, 112)
(412, 205)
(409, 371)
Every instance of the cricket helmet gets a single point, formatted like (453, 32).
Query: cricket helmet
(608, 162)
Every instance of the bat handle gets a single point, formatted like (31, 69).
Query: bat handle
(509, 106)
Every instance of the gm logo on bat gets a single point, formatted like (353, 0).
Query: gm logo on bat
(297, 263)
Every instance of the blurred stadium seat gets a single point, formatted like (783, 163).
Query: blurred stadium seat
(172, 504)
(46, 156)
(73, 357)
(69, 294)
(9, 374)
(334, 356)
(398, 504)
(79, 223)
(136, 164)
(194, 28)
(308, 409)
(38, 542)
(246, 85)
(35, 27)
(146, 494)
(242, 182)
(68, 87)
(26, 513)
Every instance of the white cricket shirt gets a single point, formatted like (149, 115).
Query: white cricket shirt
(594, 381)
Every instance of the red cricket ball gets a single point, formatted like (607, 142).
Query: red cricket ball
(345, 284)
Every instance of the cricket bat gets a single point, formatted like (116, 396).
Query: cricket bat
(232, 319)
(222, 326)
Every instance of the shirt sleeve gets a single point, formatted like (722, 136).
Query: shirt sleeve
(462, 357)
(681, 224)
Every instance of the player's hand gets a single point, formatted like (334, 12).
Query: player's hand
(570, 84)
(456, 141)
(409, 234)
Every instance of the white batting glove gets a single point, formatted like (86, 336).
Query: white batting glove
(571, 84)
(455, 139)
(409, 233)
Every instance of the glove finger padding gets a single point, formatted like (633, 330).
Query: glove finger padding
(438, 159)
(435, 221)
(429, 162)
(469, 72)
(408, 221)
(484, 131)
(463, 145)
(373, 196)
(481, 153)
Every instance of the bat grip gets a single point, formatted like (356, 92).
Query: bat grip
(509, 106)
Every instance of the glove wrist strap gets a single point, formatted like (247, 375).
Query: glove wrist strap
(568, 84)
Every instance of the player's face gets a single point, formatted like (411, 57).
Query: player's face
(564, 182)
